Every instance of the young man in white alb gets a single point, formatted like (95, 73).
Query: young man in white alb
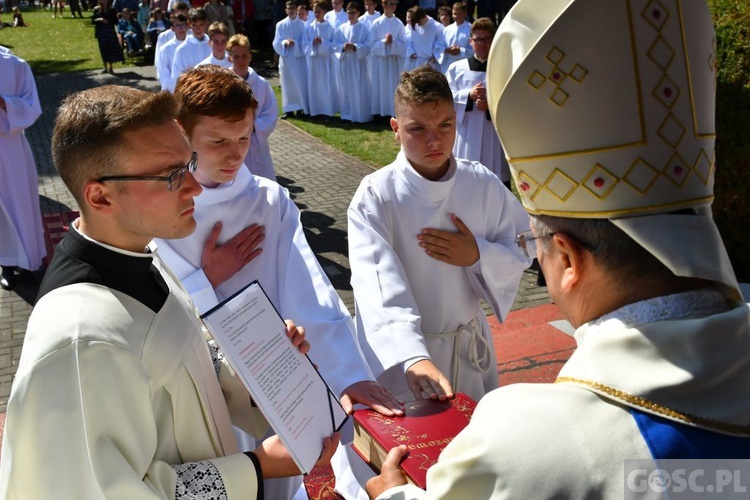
(288, 44)
(195, 49)
(218, 36)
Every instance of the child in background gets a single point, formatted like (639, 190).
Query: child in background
(18, 18)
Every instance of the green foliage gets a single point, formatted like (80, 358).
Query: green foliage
(732, 204)
(55, 45)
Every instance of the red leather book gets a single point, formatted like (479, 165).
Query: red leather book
(426, 430)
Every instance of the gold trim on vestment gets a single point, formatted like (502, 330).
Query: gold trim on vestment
(651, 407)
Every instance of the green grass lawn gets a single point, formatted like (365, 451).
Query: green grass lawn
(55, 45)
(373, 143)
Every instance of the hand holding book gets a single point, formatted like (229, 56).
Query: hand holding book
(391, 475)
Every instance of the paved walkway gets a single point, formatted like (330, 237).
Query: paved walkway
(321, 180)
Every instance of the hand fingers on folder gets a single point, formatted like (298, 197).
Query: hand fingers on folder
(297, 336)
(390, 474)
(330, 444)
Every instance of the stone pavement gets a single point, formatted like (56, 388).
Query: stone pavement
(321, 180)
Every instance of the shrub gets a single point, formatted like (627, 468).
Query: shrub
(732, 190)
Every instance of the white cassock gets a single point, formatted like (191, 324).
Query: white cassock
(321, 78)
(411, 306)
(258, 158)
(336, 19)
(163, 38)
(423, 46)
(188, 55)
(476, 138)
(164, 63)
(292, 64)
(455, 34)
(368, 19)
(387, 62)
(355, 94)
(286, 268)
(222, 63)
(113, 399)
(21, 232)
(688, 363)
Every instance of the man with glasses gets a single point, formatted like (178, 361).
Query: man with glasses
(476, 138)
(614, 159)
(116, 393)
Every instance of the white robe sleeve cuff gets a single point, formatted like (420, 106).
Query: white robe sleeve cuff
(406, 492)
(200, 291)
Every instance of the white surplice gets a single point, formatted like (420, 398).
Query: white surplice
(368, 19)
(286, 268)
(407, 301)
(459, 35)
(187, 55)
(336, 19)
(321, 78)
(476, 138)
(164, 62)
(222, 63)
(355, 94)
(292, 64)
(424, 45)
(387, 62)
(21, 232)
(692, 363)
(258, 158)
(162, 39)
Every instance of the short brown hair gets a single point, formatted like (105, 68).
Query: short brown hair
(483, 24)
(212, 91)
(238, 40)
(90, 127)
(218, 27)
(421, 86)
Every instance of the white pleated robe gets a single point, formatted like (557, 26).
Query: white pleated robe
(387, 62)
(459, 35)
(321, 77)
(21, 231)
(258, 158)
(424, 43)
(292, 65)
(476, 138)
(353, 76)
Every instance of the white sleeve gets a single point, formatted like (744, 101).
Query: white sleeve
(267, 114)
(385, 303)
(193, 278)
(22, 107)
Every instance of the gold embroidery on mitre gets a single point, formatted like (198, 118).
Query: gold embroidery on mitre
(641, 176)
(557, 76)
(671, 131)
(666, 92)
(703, 167)
(657, 409)
(656, 14)
(600, 182)
(560, 185)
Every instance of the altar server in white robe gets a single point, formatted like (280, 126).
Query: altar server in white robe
(218, 36)
(117, 393)
(195, 49)
(639, 269)
(388, 46)
(336, 16)
(352, 48)
(166, 36)
(423, 41)
(429, 237)
(166, 52)
(21, 232)
(321, 77)
(456, 37)
(288, 43)
(249, 229)
(370, 13)
(476, 138)
(258, 158)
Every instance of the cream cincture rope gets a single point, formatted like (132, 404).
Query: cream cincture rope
(477, 342)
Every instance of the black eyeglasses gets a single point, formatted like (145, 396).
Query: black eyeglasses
(525, 242)
(174, 181)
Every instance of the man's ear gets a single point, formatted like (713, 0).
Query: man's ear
(394, 127)
(98, 196)
(572, 258)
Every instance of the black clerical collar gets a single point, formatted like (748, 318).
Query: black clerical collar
(103, 256)
(477, 65)
(79, 259)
